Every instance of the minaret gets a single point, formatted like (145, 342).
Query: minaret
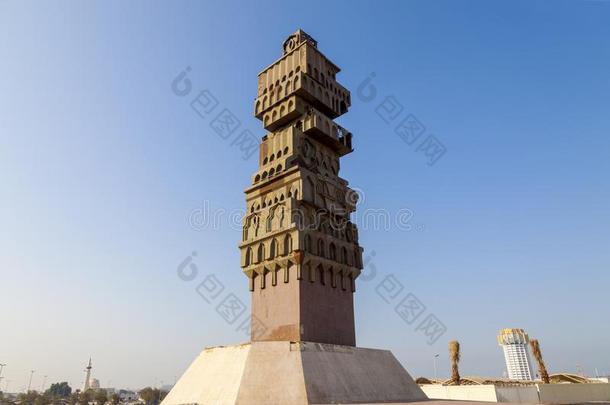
(88, 376)
(299, 248)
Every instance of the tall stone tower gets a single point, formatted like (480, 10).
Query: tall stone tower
(300, 253)
(299, 249)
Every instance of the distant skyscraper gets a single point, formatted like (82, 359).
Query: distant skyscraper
(88, 376)
(516, 353)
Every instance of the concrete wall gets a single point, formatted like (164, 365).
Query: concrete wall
(517, 395)
(573, 393)
(542, 393)
(465, 392)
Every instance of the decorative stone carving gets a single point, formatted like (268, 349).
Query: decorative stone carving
(298, 196)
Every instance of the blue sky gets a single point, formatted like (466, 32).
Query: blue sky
(101, 166)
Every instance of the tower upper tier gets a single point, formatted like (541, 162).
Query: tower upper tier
(302, 72)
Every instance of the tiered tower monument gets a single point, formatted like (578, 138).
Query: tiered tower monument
(299, 250)
(300, 253)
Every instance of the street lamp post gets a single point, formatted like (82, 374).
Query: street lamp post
(435, 374)
(30, 383)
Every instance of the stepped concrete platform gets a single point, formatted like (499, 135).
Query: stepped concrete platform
(294, 373)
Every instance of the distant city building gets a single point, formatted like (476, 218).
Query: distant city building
(128, 396)
(94, 384)
(516, 353)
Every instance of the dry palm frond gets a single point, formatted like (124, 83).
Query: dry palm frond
(454, 356)
(544, 375)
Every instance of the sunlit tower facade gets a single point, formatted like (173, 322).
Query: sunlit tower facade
(516, 353)
(300, 249)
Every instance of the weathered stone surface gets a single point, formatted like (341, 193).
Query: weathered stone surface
(213, 378)
(344, 374)
(273, 374)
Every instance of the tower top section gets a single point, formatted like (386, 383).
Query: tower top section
(296, 39)
(303, 81)
(513, 336)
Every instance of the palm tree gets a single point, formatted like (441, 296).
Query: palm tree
(454, 356)
(101, 397)
(544, 375)
(73, 398)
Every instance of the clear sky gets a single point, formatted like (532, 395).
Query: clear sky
(101, 166)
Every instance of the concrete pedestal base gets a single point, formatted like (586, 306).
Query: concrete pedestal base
(286, 373)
